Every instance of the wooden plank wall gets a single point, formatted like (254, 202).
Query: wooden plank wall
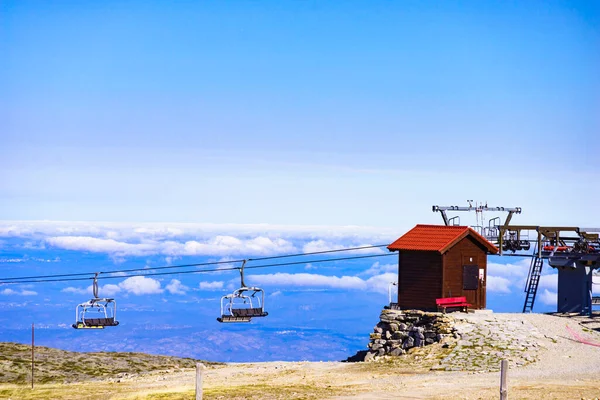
(420, 279)
(454, 260)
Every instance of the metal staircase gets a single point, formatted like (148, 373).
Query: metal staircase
(533, 280)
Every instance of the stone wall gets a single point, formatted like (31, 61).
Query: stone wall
(399, 331)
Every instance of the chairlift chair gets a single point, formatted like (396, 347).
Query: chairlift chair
(106, 309)
(243, 304)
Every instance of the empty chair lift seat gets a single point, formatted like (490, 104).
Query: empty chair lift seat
(452, 303)
(231, 318)
(95, 323)
(249, 312)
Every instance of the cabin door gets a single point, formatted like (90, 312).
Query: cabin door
(471, 286)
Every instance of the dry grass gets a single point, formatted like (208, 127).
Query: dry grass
(59, 366)
(136, 391)
(77, 391)
(546, 391)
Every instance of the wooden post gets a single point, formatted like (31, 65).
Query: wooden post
(503, 380)
(32, 353)
(199, 370)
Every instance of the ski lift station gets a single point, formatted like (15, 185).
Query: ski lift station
(450, 260)
(437, 261)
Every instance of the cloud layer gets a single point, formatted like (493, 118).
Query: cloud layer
(377, 283)
(137, 285)
(217, 246)
(511, 277)
(22, 292)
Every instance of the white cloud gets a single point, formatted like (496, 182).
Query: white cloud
(498, 284)
(229, 245)
(378, 268)
(141, 232)
(219, 245)
(215, 285)
(96, 245)
(310, 280)
(381, 283)
(502, 278)
(323, 245)
(170, 260)
(513, 271)
(175, 287)
(11, 292)
(141, 285)
(309, 266)
(319, 245)
(75, 290)
(548, 297)
(103, 291)
(107, 290)
(549, 281)
(377, 283)
(276, 293)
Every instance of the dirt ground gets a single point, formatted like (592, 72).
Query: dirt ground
(330, 380)
(568, 369)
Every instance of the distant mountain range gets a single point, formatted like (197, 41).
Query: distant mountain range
(234, 344)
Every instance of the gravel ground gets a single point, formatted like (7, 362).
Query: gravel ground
(567, 358)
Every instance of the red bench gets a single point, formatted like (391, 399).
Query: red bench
(452, 302)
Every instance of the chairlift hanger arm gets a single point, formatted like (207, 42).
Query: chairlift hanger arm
(242, 273)
(95, 285)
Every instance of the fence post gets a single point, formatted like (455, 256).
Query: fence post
(32, 352)
(503, 380)
(199, 370)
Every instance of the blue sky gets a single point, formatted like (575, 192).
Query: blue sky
(341, 122)
(239, 112)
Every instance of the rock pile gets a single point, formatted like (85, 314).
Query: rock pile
(399, 331)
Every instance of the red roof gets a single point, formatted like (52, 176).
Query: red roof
(438, 238)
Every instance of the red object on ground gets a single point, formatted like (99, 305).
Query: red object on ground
(580, 339)
(452, 302)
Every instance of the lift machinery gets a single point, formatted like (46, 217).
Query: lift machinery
(573, 251)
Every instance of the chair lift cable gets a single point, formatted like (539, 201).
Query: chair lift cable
(198, 271)
(87, 274)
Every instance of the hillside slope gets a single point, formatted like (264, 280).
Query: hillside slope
(54, 365)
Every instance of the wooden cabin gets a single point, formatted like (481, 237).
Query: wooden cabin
(437, 261)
